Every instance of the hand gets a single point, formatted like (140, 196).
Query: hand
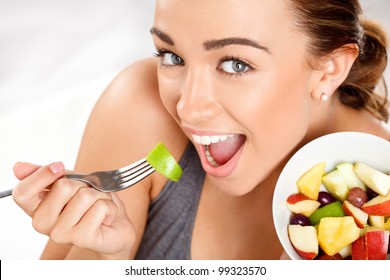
(70, 212)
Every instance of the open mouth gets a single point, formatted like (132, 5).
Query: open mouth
(220, 149)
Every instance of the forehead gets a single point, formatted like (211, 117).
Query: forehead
(223, 18)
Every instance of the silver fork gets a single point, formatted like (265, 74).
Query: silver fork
(110, 181)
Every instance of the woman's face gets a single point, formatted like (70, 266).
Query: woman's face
(234, 76)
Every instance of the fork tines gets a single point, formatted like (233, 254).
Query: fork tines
(133, 173)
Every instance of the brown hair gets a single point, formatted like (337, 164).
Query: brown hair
(333, 24)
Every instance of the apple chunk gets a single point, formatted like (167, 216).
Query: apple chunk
(359, 250)
(304, 240)
(301, 204)
(371, 246)
(377, 243)
(376, 180)
(378, 206)
(309, 183)
(376, 221)
(334, 209)
(163, 161)
(350, 177)
(335, 183)
(359, 215)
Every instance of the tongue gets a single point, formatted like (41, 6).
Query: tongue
(223, 151)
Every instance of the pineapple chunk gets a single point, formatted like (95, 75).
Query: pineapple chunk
(309, 183)
(334, 233)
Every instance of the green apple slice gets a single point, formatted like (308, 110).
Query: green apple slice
(162, 160)
(334, 209)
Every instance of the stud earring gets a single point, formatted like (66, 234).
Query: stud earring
(324, 97)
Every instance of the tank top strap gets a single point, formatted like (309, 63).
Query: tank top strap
(171, 216)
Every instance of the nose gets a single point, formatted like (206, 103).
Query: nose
(197, 102)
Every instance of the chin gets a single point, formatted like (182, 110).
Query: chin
(241, 182)
(231, 186)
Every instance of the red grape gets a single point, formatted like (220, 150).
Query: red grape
(325, 198)
(370, 193)
(300, 219)
(357, 196)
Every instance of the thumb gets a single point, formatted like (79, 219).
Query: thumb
(24, 169)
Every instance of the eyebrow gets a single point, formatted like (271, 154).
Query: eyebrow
(212, 44)
(221, 43)
(162, 35)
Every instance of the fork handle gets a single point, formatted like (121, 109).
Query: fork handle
(71, 176)
(5, 193)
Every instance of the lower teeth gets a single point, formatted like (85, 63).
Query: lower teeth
(210, 158)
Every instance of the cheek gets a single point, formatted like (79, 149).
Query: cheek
(169, 94)
(288, 98)
(278, 120)
(274, 107)
(285, 111)
(283, 129)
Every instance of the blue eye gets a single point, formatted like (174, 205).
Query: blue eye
(169, 59)
(234, 66)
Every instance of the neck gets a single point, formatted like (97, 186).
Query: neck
(333, 116)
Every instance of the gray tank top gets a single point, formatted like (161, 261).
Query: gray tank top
(172, 214)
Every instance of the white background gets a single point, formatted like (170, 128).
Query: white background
(56, 57)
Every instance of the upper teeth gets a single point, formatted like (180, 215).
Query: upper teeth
(207, 140)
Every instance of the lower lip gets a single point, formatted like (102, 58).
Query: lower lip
(223, 170)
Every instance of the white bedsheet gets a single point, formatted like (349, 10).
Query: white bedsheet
(41, 132)
(56, 57)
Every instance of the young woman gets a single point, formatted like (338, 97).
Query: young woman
(236, 88)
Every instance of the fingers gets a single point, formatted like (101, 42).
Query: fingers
(70, 204)
(93, 230)
(106, 231)
(77, 208)
(70, 212)
(28, 192)
(50, 208)
(87, 222)
(23, 169)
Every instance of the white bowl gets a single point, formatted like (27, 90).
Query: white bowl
(333, 149)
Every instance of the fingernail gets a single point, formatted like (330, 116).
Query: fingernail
(57, 167)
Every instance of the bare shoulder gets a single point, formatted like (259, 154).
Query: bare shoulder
(129, 120)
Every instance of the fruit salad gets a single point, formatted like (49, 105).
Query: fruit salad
(341, 214)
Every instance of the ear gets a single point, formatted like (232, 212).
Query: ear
(335, 69)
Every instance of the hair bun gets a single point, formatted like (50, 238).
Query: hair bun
(367, 73)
